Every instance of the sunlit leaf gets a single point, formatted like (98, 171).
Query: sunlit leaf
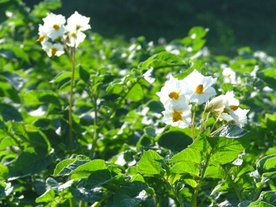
(150, 163)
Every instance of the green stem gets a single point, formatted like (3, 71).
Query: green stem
(107, 117)
(198, 187)
(72, 58)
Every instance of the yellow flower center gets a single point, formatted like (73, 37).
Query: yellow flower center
(199, 89)
(56, 26)
(233, 107)
(41, 38)
(53, 51)
(174, 95)
(78, 26)
(176, 116)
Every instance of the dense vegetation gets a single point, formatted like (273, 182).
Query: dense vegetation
(98, 138)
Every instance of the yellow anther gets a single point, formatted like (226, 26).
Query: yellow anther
(53, 51)
(234, 107)
(174, 95)
(199, 89)
(176, 116)
(56, 26)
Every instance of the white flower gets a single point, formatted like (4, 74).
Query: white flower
(174, 117)
(77, 22)
(42, 32)
(53, 49)
(239, 116)
(148, 76)
(198, 87)
(229, 75)
(53, 26)
(227, 108)
(230, 102)
(172, 94)
(74, 38)
(217, 104)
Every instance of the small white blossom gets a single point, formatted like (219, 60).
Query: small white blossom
(229, 75)
(179, 118)
(198, 88)
(53, 26)
(172, 94)
(77, 22)
(55, 49)
(74, 38)
(227, 108)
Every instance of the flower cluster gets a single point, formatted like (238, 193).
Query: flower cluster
(178, 96)
(54, 34)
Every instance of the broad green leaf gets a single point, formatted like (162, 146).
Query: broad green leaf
(87, 168)
(266, 199)
(162, 60)
(186, 161)
(84, 74)
(31, 98)
(269, 76)
(198, 32)
(267, 164)
(87, 194)
(30, 162)
(136, 93)
(46, 197)
(231, 131)
(202, 145)
(150, 163)
(215, 171)
(185, 167)
(14, 79)
(98, 178)
(44, 7)
(62, 79)
(129, 194)
(175, 140)
(10, 113)
(224, 150)
(3, 171)
(65, 167)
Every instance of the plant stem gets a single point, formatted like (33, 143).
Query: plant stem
(72, 58)
(107, 117)
(198, 187)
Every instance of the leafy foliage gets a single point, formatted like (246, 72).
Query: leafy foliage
(122, 153)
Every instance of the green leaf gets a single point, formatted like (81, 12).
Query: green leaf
(10, 113)
(215, 171)
(186, 161)
(135, 93)
(231, 131)
(87, 168)
(46, 197)
(4, 171)
(224, 150)
(14, 79)
(128, 195)
(150, 163)
(266, 199)
(65, 167)
(161, 60)
(267, 164)
(84, 74)
(98, 178)
(198, 32)
(87, 194)
(269, 76)
(175, 140)
(29, 162)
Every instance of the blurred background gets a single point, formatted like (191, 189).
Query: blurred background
(232, 23)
